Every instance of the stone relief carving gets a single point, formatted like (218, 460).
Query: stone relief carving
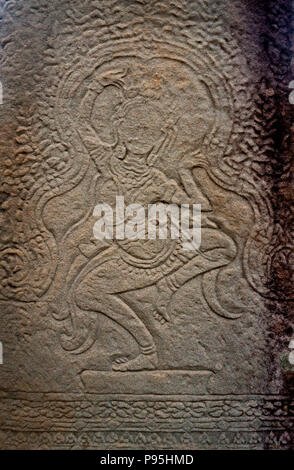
(128, 163)
(160, 104)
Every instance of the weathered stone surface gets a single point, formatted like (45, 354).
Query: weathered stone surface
(142, 344)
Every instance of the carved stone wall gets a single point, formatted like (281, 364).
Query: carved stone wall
(141, 344)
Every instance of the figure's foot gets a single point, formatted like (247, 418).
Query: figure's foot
(163, 301)
(162, 310)
(141, 362)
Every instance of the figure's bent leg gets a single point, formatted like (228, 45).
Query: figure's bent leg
(211, 259)
(92, 295)
(217, 251)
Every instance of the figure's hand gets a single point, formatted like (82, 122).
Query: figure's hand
(59, 309)
(114, 77)
(189, 161)
(169, 132)
(89, 250)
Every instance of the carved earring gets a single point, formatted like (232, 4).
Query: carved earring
(151, 159)
(120, 151)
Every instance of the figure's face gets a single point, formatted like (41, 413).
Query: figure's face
(140, 129)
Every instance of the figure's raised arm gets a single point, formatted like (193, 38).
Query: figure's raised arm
(190, 185)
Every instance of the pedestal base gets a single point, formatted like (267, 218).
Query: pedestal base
(163, 382)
